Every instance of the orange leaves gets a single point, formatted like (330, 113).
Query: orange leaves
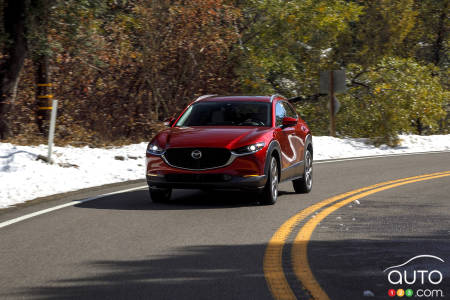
(119, 72)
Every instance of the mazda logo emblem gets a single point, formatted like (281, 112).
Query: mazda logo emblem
(196, 154)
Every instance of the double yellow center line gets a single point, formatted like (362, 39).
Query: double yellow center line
(273, 270)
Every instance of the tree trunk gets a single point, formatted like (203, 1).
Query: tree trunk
(41, 61)
(439, 43)
(419, 126)
(14, 23)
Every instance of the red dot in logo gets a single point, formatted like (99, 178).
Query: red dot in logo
(392, 293)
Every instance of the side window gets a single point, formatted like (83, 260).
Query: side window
(290, 112)
(280, 113)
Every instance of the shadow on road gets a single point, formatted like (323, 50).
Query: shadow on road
(200, 272)
(345, 269)
(181, 200)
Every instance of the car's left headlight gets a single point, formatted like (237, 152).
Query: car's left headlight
(248, 149)
(154, 149)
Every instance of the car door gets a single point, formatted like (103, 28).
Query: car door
(296, 135)
(288, 155)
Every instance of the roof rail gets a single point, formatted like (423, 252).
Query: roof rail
(274, 96)
(204, 97)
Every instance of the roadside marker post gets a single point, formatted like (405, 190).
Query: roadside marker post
(51, 132)
(44, 97)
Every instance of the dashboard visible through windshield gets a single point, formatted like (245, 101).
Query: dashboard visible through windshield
(226, 114)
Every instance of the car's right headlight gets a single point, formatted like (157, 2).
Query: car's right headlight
(154, 149)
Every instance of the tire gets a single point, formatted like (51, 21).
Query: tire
(160, 195)
(270, 191)
(304, 185)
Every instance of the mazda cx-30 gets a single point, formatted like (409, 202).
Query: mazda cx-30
(232, 142)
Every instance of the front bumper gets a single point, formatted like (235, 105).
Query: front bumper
(198, 181)
(244, 172)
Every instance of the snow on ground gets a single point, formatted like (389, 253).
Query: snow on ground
(23, 178)
(326, 147)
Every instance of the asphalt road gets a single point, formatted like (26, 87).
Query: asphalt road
(212, 245)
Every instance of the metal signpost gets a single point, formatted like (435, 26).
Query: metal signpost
(332, 82)
(51, 132)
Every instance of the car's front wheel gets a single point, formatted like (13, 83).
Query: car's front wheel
(270, 191)
(304, 184)
(159, 195)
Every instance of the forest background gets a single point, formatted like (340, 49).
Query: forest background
(120, 67)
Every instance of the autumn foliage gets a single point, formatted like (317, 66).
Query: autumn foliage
(123, 70)
(120, 67)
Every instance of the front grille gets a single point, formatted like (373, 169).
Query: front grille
(210, 158)
(204, 178)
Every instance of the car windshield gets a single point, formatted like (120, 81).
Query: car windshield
(226, 114)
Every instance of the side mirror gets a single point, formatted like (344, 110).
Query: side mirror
(289, 122)
(169, 122)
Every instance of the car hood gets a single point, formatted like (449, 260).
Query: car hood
(229, 137)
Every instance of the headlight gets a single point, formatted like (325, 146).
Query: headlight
(154, 149)
(248, 149)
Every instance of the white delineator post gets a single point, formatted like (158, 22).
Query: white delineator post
(51, 132)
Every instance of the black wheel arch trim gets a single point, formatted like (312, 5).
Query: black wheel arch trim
(274, 145)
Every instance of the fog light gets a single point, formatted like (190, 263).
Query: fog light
(153, 175)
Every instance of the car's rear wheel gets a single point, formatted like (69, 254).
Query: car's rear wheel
(304, 184)
(159, 195)
(270, 191)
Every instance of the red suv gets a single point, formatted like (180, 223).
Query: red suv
(236, 142)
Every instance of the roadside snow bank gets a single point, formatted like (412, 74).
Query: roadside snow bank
(326, 147)
(23, 178)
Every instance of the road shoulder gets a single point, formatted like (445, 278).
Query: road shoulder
(58, 199)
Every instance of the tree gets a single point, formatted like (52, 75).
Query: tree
(428, 39)
(14, 24)
(185, 49)
(379, 32)
(384, 100)
(123, 66)
(289, 42)
(41, 55)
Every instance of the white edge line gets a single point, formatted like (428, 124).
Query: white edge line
(415, 257)
(72, 203)
(333, 160)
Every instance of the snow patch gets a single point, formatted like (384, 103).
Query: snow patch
(327, 147)
(24, 178)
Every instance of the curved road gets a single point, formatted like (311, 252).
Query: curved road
(213, 245)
